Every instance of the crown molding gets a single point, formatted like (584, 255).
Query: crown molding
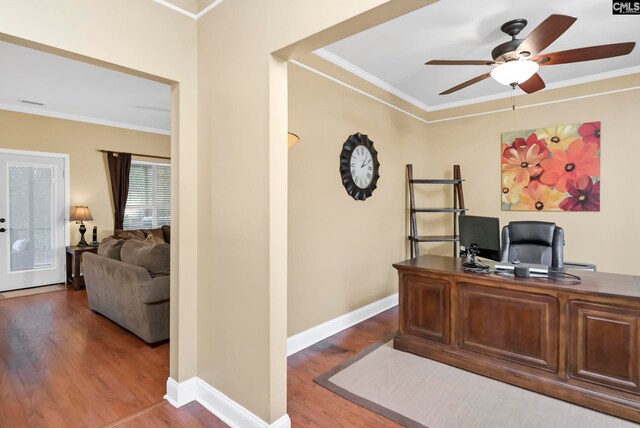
(346, 65)
(67, 116)
(191, 15)
(353, 69)
(366, 94)
(360, 91)
(204, 11)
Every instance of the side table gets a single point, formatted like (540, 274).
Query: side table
(74, 257)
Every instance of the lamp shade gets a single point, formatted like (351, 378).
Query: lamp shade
(293, 139)
(81, 213)
(515, 72)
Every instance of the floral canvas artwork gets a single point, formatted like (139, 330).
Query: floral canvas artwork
(552, 169)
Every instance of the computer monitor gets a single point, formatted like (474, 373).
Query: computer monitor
(482, 231)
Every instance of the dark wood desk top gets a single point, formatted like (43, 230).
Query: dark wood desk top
(607, 284)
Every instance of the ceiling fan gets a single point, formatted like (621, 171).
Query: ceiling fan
(517, 61)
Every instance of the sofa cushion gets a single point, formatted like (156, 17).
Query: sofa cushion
(140, 234)
(152, 257)
(166, 231)
(110, 247)
(129, 234)
(157, 233)
(151, 238)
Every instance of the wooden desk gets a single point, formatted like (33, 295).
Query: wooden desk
(74, 272)
(579, 343)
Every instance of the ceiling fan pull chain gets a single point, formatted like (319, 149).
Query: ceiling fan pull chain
(513, 104)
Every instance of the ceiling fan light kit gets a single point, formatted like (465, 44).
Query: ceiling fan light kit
(516, 62)
(514, 72)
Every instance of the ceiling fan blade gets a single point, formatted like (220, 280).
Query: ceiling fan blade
(465, 84)
(534, 84)
(545, 34)
(585, 54)
(459, 62)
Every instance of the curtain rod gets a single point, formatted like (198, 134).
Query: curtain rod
(137, 154)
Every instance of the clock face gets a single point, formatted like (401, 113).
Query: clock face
(359, 166)
(362, 167)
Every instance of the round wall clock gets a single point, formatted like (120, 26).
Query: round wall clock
(359, 166)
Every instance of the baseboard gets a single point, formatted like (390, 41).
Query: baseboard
(235, 415)
(320, 332)
(227, 410)
(179, 394)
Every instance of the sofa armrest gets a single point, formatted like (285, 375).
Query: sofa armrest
(155, 290)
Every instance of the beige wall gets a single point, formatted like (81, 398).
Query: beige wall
(230, 172)
(243, 228)
(151, 40)
(341, 250)
(88, 174)
(607, 238)
(228, 313)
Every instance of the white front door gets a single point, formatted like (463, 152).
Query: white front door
(32, 220)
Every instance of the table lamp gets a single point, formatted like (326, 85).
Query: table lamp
(81, 214)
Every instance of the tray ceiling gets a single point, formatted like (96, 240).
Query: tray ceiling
(392, 55)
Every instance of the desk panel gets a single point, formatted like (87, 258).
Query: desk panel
(579, 343)
(515, 326)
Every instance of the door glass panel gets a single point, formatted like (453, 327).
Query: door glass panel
(31, 217)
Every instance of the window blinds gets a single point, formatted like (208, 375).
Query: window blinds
(149, 197)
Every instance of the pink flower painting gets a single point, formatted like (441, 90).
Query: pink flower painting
(552, 169)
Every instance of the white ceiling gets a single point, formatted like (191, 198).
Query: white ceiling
(75, 90)
(393, 54)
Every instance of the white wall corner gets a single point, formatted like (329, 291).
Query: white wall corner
(223, 407)
(181, 393)
(283, 422)
(309, 337)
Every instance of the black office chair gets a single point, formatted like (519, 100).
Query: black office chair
(536, 242)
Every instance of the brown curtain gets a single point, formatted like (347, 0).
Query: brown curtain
(119, 168)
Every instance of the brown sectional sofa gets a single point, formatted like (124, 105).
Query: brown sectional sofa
(128, 282)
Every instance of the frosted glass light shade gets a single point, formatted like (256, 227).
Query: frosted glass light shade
(514, 72)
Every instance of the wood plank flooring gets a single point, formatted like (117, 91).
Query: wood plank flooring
(311, 405)
(163, 414)
(62, 365)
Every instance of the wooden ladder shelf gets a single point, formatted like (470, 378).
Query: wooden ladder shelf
(458, 208)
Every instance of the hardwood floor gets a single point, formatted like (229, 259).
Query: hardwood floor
(62, 365)
(163, 414)
(311, 405)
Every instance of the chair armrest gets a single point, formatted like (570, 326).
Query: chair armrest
(155, 290)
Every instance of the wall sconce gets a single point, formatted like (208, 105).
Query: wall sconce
(293, 139)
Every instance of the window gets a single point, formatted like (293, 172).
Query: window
(149, 200)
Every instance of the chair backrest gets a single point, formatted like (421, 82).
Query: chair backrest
(536, 242)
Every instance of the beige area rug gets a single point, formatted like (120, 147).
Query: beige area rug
(32, 291)
(418, 392)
